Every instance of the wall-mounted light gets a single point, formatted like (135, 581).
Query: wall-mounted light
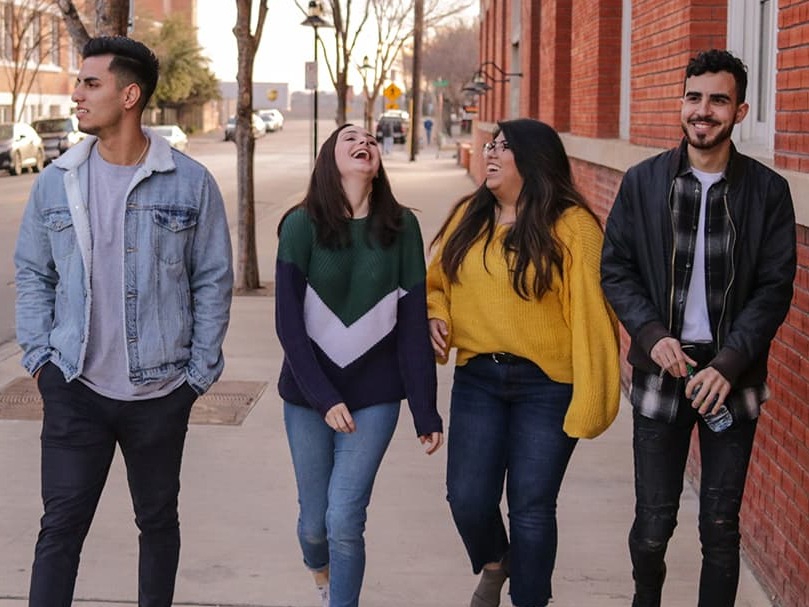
(478, 84)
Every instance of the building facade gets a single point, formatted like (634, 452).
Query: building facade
(608, 75)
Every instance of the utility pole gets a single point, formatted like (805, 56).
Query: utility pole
(415, 117)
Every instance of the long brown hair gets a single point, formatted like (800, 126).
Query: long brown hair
(547, 191)
(328, 206)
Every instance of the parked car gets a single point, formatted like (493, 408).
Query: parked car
(58, 134)
(174, 135)
(259, 128)
(20, 147)
(273, 120)
(399, 128)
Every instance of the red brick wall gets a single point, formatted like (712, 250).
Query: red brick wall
(530, 40)
(664, 36)
(595, 68)
(792, 86)
(775, 513)
(554, 60)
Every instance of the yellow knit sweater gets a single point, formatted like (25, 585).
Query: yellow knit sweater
(570, 333)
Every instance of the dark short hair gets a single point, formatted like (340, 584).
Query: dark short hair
(132, 61)
(715, 61)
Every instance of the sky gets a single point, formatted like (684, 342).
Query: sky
(285, 45)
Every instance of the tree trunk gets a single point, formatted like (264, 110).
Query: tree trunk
(415, 117)
(112, 17)
(75, 27)
(342, 95)
(247, 276)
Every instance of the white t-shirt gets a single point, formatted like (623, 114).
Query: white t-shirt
(696, 322)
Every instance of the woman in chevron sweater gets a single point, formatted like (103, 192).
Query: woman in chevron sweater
(352, 319)
(514, 286)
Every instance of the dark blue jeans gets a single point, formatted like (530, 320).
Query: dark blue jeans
(506, 424)
(79, 432)
(661, 451)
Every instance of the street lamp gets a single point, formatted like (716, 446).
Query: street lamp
(364, 71)
(315, 20)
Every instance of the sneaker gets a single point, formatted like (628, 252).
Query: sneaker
(324, 595)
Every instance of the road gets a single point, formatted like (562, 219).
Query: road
(282, 167)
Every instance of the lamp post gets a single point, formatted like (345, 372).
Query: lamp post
(364, 71)
(315, 20)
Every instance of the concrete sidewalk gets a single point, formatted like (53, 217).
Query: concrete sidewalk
(238, 500)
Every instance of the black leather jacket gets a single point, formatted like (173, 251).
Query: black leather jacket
(637, 258)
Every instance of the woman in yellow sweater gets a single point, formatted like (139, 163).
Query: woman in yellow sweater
(514, 286)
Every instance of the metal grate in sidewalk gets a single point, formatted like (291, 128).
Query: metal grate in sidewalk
(227, 402)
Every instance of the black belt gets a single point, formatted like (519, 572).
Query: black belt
(504, 358)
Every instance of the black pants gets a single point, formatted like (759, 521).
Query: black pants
(79, 432)
(661, 451)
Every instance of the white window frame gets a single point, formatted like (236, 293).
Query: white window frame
(756, 134)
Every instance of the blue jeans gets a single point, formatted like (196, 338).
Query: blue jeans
(507, 418)
(335, 474)
(661, 451)
(79, 432)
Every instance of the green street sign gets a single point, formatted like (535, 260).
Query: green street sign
(441, 82)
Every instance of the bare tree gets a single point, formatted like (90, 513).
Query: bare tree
(25, 45)
(111, 18)
(247, 277)
(451, 56)
(394, 25)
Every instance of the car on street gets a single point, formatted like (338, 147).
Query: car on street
(20, 147)
(273, 120)
(174, 135)
(59, 134)
(259, 128)
(399, 127)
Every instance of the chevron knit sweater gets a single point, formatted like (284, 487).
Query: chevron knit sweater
(353, 321)
(570, 333)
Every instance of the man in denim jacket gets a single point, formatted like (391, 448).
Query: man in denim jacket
(123, 284)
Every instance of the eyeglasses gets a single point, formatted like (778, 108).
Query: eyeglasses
(492, 146)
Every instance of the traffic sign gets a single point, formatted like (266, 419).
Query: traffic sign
(392, 92)
(441, 82)
(391, 105)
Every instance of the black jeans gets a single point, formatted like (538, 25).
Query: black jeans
(661, 450)
(79, 432)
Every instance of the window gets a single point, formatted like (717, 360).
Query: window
(6, 44)
(55, 44)
(626, 69)
(752, 37)
(515, 59)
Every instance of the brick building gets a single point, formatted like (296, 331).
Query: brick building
(608, 75)
(57, 56)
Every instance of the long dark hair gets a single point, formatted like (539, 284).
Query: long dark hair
(547, 191)
(328, 206)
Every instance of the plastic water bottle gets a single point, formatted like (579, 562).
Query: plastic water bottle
(719, 421)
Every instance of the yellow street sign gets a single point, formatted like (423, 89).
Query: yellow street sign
(392, 92)
(390, 105)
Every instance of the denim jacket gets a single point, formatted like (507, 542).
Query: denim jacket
(178, 275)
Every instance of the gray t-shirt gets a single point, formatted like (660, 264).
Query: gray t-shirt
(106, 365)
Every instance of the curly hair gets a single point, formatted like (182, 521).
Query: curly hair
(715, 61)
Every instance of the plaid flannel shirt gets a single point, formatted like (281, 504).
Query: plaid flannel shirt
(658, 396)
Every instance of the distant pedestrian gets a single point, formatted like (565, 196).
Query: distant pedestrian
(123, 297)
(513, 285)
(699, 262)
(428, 128)
(387, 136)
(352, 320)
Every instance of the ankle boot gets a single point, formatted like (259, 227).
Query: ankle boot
(487, 594)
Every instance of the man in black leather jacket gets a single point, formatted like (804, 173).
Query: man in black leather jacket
(698, 263)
